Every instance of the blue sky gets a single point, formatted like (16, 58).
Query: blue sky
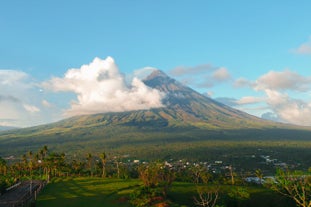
(252, 55)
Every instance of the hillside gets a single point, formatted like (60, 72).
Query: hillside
(187, 118)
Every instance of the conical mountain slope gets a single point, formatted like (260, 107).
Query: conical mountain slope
(186, 106)
(183, 107)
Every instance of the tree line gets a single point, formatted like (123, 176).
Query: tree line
(157, 177)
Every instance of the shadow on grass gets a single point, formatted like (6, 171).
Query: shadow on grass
(86, 192)
(98, 192)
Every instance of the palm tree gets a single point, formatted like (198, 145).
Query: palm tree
(231, 174)
(118, 167)
(24, 164)
(24, 158)
(45, 151)
(30, 163)
(103, 158)
(89, 161)
(3, 166)
(77, 166)
(259, 175)
(41, 153)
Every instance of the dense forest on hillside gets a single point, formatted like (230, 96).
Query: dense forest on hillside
(236, 147)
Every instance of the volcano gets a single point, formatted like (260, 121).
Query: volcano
(186, 117)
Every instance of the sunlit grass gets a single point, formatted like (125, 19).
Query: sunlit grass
(95, 192)
(86, 192)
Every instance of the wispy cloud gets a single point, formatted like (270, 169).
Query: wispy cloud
(250, 100)
(227, 101)
(201, 76)
(20, 100)
(13, 78)
(46, 103)
(199, 69)
(242, 82)
(221, 74)
(242, 101)
(304, 48)
(100, 87)
(283, 80)
(31, 108)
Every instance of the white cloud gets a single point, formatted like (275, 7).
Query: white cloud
(31, 108)
(242, 82)
(47, 104)
(304, 49)
(221, 74)
(249, 100)
(21, 101)
(288, 109)
(13, 78)
(199, 69)
(270, 116)
(242, 101)
(208, 94)
(201, 76)
(283, 80)
(277, 85)
(100, 87)
(143, 73)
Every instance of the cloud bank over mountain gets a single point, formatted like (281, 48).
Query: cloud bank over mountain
(100, 87)
(285, 96)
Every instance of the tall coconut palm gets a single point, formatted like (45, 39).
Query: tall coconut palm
(30, 163)
(3, 166)
(89, 161)
(103, 158)
(45, 151)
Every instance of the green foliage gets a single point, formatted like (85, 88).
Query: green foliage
(296, 185)
(145, 196)
(157, 175)
(239, 193)
(157, 179)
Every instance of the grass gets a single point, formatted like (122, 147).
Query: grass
(77, 192)
(95, 192)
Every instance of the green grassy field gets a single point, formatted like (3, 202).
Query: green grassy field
(93, 192)
(86, 192)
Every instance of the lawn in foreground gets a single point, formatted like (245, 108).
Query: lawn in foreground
(93, 192)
